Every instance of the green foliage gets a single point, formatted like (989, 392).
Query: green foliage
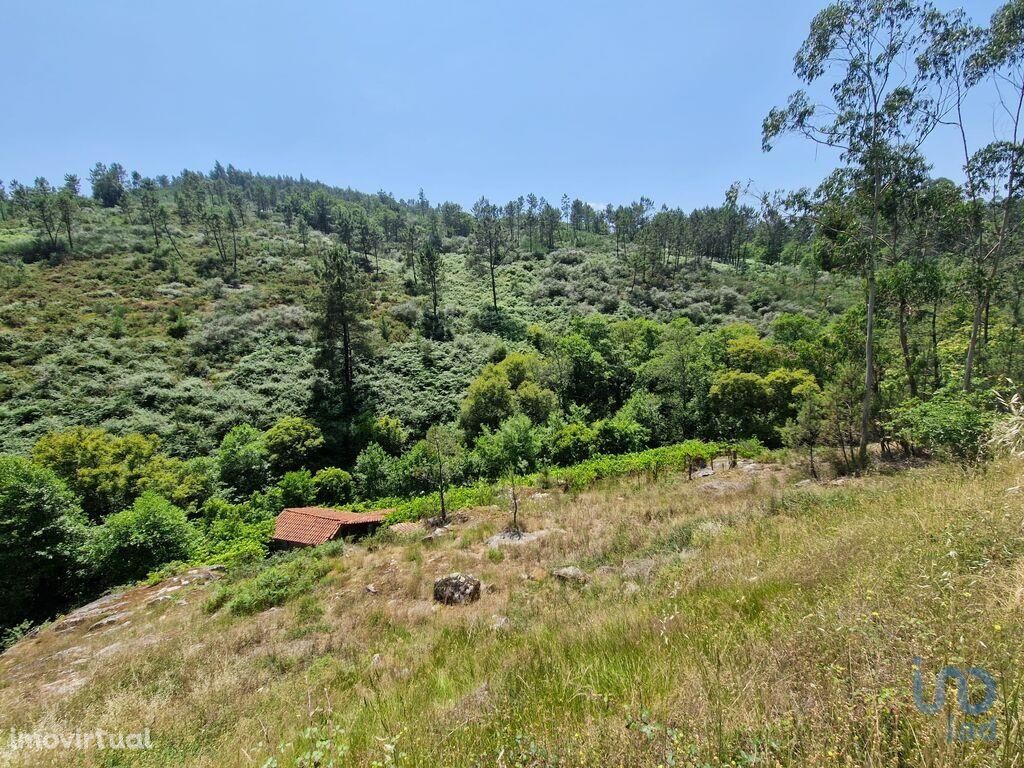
(42, 532)
(477, 495)
(108, 472)
(291, 442)
(297, 488)
(536, 402)
(620, 434)
(438, 460)
(488, 402)
(234, 534)
(243, 460)
(804, 431)
(514, 447)
(332, 486)
(569, 442)
(374, 472)
(389, 433)
(149, 534)
(949, 425)
(293, 576)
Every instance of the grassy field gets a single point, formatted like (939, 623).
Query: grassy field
(729, 621)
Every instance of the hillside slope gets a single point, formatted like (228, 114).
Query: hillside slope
(134, 338)
(737, 619)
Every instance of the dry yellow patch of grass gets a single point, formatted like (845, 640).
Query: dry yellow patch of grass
(734, 620)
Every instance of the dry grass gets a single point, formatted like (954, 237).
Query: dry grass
(738, 622)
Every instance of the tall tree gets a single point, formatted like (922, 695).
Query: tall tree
(40, 205)
(431, 261)
(996, 170)
(489, 236)
(108, 184)
(150, 206)
(342, 306)
(67, 205)
(864, 51)
(445, 451)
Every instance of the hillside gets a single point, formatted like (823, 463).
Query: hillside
(297, 474)
(135, 337)
(737, 619)
(182, 358)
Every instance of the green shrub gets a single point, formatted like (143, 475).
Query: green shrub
(243, 460)
(332, 486)
(103, 469)
(234, 533)
(374, 472)
(292, 442)
(620, 434)
(274, 585)
(42, 532)
(297, 488)
(389, 433)
(151, 533)
(514, 446)
(570, 443)
(949, 425)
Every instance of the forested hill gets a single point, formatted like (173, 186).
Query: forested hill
(182, 357)
(184, 307)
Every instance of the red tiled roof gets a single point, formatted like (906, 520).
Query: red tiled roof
(318, 525)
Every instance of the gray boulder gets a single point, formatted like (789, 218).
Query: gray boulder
(570, 574)
(456, 589)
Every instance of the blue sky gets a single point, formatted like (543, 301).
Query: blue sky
(605, 101)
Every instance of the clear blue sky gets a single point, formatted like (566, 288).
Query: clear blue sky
(605, 101)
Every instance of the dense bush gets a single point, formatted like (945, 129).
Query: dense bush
(243, 460)
(42, 533)
(332, 486)
(295, 575)
(514, 447)
(297, 488)
(292, 442)
(952, 425)
(102, 469)
(374, 472)
(149, 534)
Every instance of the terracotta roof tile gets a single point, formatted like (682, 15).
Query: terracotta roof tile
(318, 525)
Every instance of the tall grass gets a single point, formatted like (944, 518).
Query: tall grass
(783, 636)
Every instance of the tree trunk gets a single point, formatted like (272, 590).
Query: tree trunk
(905, 347)
(869, 367)
(494, 286)
(972, 346)
(347, 352)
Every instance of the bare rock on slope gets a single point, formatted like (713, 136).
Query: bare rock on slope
(456, 589)
(570, 575)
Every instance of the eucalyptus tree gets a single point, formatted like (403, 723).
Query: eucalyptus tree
(863, 52)
(995, 171)
(906, 243)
